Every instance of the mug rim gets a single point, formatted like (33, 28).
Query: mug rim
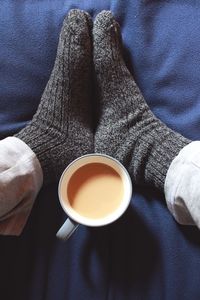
(116, 214)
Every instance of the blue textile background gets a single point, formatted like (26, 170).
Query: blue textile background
(145, 255)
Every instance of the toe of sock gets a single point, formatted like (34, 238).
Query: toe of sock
(104, 20)
(107, 39)
(77, 21)
(106, 30)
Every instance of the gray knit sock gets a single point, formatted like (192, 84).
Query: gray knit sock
(61, 129)
(127, 129)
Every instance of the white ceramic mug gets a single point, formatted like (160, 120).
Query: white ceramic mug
(74, 218)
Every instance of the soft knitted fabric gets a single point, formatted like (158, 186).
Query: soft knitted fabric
(127, 129)
(61, 129)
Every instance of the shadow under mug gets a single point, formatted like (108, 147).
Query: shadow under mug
(74, 218)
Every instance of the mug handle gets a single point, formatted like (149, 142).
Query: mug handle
(67, 229)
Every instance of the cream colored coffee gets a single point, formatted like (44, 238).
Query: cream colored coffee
(95, 190)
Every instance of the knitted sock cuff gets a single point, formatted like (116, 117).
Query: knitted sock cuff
(167, 145)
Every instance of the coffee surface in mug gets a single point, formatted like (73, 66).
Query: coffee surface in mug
(95, 190)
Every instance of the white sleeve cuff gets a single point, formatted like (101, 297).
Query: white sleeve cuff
(21, 178)
(182, 185)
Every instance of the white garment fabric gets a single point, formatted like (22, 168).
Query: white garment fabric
(182, 185)
(21, 179)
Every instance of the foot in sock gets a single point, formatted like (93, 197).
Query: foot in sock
(127, 129)
(61, 129)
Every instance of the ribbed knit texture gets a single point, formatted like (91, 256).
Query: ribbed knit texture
(61, 129)
(127, 129)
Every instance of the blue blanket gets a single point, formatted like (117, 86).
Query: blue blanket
(145, 255)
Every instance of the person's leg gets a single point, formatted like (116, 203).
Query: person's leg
(127, 129)
(61, 129)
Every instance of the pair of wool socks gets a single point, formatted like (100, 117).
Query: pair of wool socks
(62, 129)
